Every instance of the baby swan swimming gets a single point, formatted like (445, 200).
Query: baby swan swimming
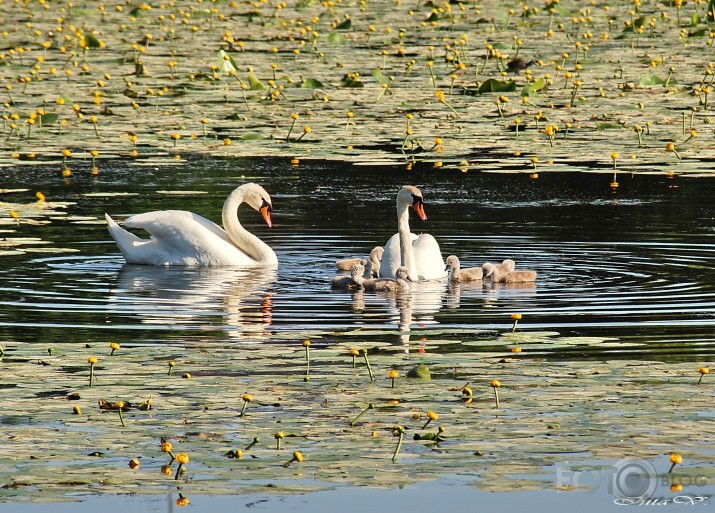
(350, 283)
(459, 275)
(399, 284)
(492, 272)
(372, 265)
(372, 269)
(347, 264)
(506, 266)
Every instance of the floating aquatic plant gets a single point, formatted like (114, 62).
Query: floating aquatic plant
(467, 394)
(671, 147)
(393, 374)
(439, 94)
(247, 399)
(120, 406)
(430, 417)
(279, 436)
(166, 447)
(355, 420)
(399, 432)
(237, 454)
(495, 384)
(516, 317)
(182, 459)
(252, 443)
(367, 362)
(675, 459)
(91, 361)
(703, 371)
(306, 345)
(294, 117)
(297, 457)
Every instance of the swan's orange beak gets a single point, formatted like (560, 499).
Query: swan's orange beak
(420, 209)
(265, 211)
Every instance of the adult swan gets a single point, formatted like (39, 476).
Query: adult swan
(184, 238)
(420, 254)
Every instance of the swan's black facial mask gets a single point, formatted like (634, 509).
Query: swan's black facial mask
(419, 207)
(265, 211)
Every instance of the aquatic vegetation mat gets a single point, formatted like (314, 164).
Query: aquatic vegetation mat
(494, 86)
(295, 416)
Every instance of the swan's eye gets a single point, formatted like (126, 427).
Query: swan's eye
(417, 200)
(267, 205)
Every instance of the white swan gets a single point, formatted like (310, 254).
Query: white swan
(420, 254)
(183, 238)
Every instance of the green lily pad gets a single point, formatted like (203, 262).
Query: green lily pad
(311, 83)
(497, 86)
(336, 38)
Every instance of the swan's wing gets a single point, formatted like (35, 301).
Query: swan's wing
(428, 257)
(179, 238)
(175, 224)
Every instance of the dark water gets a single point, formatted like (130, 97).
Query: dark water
(636, 266)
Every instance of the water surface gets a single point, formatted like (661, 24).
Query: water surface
(635, 266)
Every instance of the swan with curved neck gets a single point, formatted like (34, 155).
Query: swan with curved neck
(419, 254)
(183, 238)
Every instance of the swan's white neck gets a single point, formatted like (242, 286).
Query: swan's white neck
(242, 238)
(407, 255)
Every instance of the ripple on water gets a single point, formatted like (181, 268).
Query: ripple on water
(584, 288)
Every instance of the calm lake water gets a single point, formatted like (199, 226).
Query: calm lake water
(632, 268)
(635, 266)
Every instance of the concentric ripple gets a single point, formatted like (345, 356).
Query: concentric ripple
(635, 271)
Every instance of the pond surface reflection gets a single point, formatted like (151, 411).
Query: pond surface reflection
(635, 267)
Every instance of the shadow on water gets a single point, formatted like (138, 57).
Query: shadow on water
(636, 266)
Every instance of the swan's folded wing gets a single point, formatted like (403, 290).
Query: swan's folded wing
(428, 257)
(175, 225)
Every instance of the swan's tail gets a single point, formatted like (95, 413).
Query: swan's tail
(124, 239)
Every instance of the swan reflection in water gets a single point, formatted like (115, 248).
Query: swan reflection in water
(418, 305)
(193, 297)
